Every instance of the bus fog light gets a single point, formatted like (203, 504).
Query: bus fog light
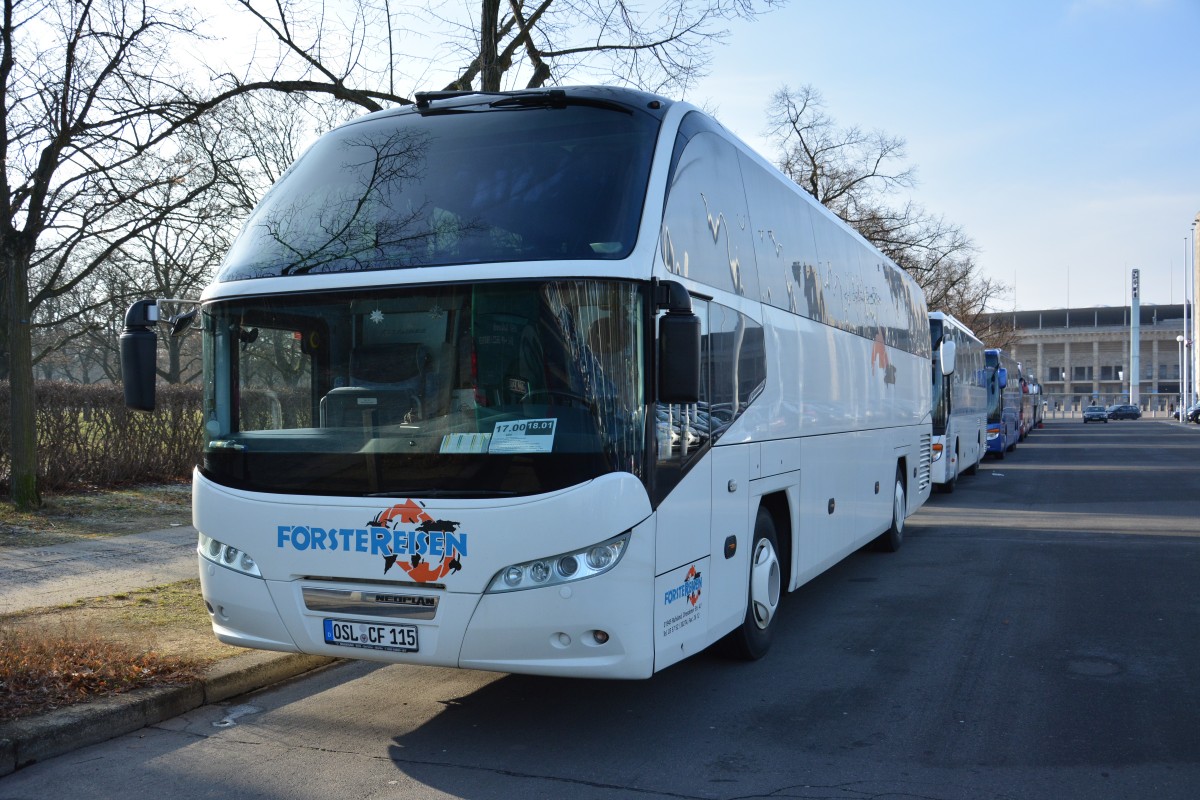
(601, 637)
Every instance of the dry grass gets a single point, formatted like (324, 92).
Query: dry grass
(39, 674)
(53, 657)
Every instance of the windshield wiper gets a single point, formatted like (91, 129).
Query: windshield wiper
(534, 98)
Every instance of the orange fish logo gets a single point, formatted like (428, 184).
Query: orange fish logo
(693, 579)
(428, 539)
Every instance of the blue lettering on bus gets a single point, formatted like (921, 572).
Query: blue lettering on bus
(300, 537)
(381, 541)
(687, 589)
(318, 538)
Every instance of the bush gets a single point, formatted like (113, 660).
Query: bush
(88, 438)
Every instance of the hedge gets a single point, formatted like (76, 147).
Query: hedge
(87, 438)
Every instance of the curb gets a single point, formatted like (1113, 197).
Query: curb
(28, 741)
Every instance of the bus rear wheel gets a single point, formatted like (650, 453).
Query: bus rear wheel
(980, 449)
(752, 639)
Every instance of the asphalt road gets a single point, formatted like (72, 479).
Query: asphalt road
(1036, 637)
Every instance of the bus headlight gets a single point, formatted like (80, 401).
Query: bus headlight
(563, 568)
(230, 557)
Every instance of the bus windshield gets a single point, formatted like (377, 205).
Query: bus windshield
(482, 186)
(492, 389)
(995, 393)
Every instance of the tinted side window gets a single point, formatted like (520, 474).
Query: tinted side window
(706, 232)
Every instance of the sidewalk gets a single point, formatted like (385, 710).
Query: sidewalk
(58, 574)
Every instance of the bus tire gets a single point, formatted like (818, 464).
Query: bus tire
(890, 540)
(974, 468)
(948, 486)
(751, 640)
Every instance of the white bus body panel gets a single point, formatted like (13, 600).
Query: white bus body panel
(545, 631)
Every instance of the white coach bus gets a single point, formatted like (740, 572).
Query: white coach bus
(959, 400)
(565, 382)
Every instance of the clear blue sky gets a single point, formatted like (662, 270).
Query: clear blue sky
(1062, 135)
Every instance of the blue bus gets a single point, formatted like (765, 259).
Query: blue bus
(1003, 378)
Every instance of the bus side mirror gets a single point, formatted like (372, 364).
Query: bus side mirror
(1002, 377)
(678, 347)
(139, 350)
(947, 352)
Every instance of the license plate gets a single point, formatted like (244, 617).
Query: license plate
(344, 633)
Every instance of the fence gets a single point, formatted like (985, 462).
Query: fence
(1060, 406)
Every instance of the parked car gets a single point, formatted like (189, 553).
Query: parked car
(1095, 414)
(1191, 414)
(1124, 411)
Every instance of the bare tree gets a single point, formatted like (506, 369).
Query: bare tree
(88, 102)
(257, 138)
(366, 51)
(93, 100)
(855, 173)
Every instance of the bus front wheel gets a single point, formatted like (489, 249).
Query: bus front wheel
(752, 639)
(948, 486)
(891, 539)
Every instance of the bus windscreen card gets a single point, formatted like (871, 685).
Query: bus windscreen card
(523, 436)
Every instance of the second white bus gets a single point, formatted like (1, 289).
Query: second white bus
(959, 400)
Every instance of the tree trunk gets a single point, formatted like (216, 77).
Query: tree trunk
(4, 271)
(489, 68)
(22, 422)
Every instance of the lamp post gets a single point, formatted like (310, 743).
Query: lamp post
(1182, 416)
(1191, 335)
(1187, 332)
